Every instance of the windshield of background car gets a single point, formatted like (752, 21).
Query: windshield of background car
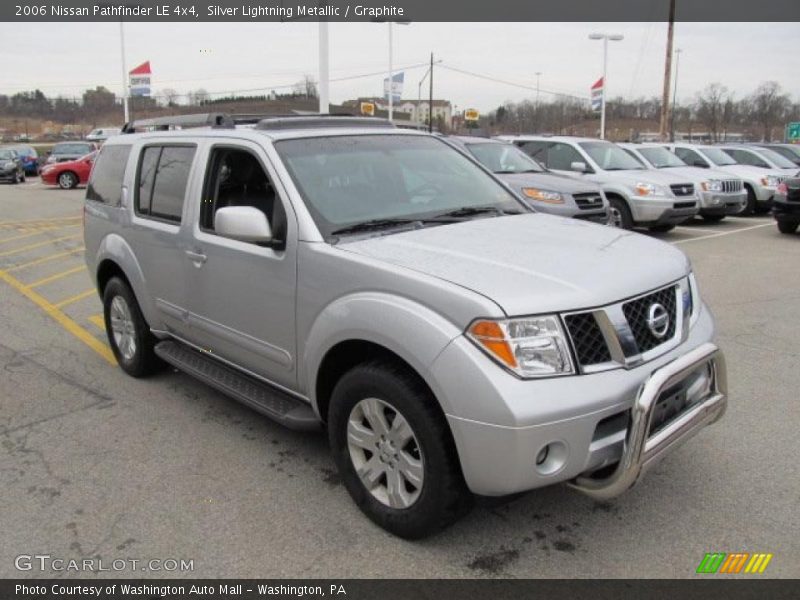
(661, 158)
(25, 151)
(346, 180)
(79, 149)
(610, 157)
(779, 161)
(718, 157)
(6, 155)
(503, 158)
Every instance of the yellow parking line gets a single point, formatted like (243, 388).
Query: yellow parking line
(75, 298)
(56, 276)
(39, 244)
(71, 326)
(46, 259)
(99, 321)
(26, 235)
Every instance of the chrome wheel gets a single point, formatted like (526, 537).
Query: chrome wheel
(122, 327)
(385, 453)
(65, 181)
(615, 217)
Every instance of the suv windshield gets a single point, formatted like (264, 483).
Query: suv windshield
(503, 158)
(661, 158)
(718, 157)
(779, 160)
(6, 155)
(610, 157)
(385, 179)
(80, 149)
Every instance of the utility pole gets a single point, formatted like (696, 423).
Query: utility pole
(667, 72)
(674, 96)
(430, 99)
(124, 72)
(324, 79)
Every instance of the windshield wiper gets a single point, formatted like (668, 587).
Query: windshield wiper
(469, 211)
(373, 225)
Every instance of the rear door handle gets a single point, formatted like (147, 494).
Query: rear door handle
(196, 257)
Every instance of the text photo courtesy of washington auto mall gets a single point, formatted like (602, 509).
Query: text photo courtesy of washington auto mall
(399, 300)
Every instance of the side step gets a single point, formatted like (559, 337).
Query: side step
(266, 399)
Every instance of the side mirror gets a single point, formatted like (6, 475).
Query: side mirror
(700, 163)
(578, 166)
(243, 223)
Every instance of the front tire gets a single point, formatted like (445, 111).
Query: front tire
(619, 214)
(662, 228)
(67, 180)
(750, 206)
(713, 218)
(394, 450)
(128, 333)
(788, 226)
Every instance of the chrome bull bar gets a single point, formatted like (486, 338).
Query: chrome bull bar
(642, 452)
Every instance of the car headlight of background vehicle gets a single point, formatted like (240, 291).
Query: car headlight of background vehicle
(712, 185)
(9, 164)
(543, 195)
(528, 347)
(642, 188)
(770, 181)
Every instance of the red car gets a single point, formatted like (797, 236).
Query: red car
(69, 174)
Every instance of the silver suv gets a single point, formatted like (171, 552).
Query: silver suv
(340, 273)
(637, 196)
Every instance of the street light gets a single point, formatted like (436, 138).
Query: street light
(324, 72)
(674, 96)
(614, 37)
(391, 67)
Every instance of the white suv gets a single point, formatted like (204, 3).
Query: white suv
(637, 196)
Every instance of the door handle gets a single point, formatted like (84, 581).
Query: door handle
(196, 257)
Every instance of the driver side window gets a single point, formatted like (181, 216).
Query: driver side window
(561, 157)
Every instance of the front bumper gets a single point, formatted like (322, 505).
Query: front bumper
(717, 203)
(783, 209)
(662, 211)
(501, 424)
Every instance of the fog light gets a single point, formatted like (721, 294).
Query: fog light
(551, 458)
(542, 456)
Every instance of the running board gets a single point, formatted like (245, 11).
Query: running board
(266, 399)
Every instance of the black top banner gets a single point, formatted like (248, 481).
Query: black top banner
(400, 10)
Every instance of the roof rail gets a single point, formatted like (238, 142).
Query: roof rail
(320, 120)
(219, 120)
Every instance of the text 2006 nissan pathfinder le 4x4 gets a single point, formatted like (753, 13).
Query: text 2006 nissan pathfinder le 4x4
(339, 272)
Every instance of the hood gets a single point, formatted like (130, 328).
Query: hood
(547, 181)
(634, 176)
(696, 174)
(749, 171)
(533, 263)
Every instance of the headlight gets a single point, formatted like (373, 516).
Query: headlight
(8, 165)
(543, 195)
(770, 181)
(529, 347)
(712, 185)
(647, 189)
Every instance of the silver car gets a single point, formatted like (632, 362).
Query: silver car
(339, 273)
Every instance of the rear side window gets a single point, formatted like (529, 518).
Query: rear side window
(161, 182)
(690, 157)
(105, 184)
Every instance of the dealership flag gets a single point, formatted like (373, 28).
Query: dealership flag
(597, 94)
(397, 87)
(139, 80)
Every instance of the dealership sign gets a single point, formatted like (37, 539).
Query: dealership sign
(368, 108)
(397, 87)
(471, 114)
(139, 80)
(597, 94)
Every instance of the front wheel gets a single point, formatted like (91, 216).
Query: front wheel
(750, 206)
(619, 214)
(713, 218)
(394, 450)
(662, 228)
(67, 180)
(788, 226)
(128, 333)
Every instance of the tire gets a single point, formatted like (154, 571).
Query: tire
(125, 325)
(67, 180)
(15, 178)
(788, 226)
(22, 178)
(750, 206)
(413, 510)
(619, 214)
(713, 218)
(661, 228)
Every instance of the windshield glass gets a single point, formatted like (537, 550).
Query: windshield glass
(23, 150)
(661, 158)
(6, 155)
(718, 157)
(779, 161)
(79, 149)
(610, 157)
(503, 158)
(346, 180)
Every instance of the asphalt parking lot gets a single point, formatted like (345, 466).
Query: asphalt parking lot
(94, 463)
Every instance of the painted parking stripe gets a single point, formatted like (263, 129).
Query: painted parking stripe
(44, 259)
(57, 276)
(27, 235)
(722, 233)
(98, 321)
(39, 244)
(75, 298)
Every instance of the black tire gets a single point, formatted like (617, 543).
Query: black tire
(713, 218)
(788, 226)
(15, 178)
(750, 206)
(443, 496)
(661, 228)
(67, 180)
(143, 360)
(22, 177)
(619, 214)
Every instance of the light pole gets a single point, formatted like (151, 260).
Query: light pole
(391, 67)
(124, 72)
(614, 37)
(538, 74)
(674, 96)
(324, 79)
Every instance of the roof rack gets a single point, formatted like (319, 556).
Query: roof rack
(319, 120)
(218, 120)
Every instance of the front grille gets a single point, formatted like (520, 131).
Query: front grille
(588, 201)
(590, 345)
(682, 189)
(636, 312)
(730, 186)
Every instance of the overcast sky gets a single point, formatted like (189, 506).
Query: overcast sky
(66, 58)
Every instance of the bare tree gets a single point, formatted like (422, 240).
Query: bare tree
(305, 87)
(170, 96)
(710, 106)
(768, 106)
